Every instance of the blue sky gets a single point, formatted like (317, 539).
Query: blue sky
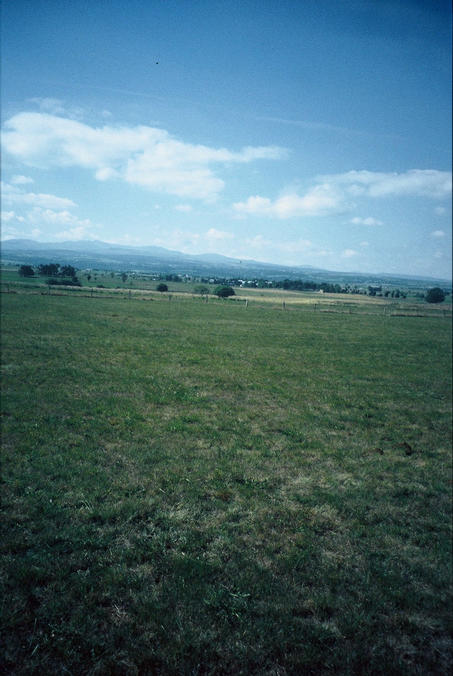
(302, 132)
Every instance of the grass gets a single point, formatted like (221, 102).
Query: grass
(194, 488)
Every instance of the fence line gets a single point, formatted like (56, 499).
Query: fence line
(329, 306)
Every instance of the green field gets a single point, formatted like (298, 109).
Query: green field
(214, 488)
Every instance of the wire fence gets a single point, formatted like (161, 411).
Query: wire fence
(310, 303)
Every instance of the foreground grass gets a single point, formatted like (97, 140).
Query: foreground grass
(195, 488)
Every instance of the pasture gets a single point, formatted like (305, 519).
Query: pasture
(210, 488)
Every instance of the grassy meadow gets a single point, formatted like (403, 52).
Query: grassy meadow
(198, 488)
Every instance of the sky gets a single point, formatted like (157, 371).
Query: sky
(300, 132)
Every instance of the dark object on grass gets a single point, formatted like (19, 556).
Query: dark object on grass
(224, 291)
(26, 271)
(162, 288)
(379, 450)
(435, 295)
(63, 282)
(407, 448)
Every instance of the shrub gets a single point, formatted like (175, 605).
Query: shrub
(224, 291)
(162, 287)
(435, 295)
(63, 282)
(26, 271)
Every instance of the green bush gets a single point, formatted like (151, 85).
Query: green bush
(435, 295)
(26, 271)
(224, 291)
(63, 282)
(162, 288)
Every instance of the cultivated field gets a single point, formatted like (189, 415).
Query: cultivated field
(222, 488)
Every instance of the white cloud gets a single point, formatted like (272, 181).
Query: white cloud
(214, 234)
(438, 233)
(46, 201)
(416, 182)
(255, 205)
(106, 173)
(142, 155)
(54, 106)
(320, 200)
(21, 180)
(75, 228)
(75, 234)
(52, 217)
(439, 211)
(49, 105)
(263, 246)
(349, 253)
(11, 216)
(364, 244)
(296, 246)
(332, 193)
(366, 221)
(12, 195)
(181, 240)
(259, 242)
(9, 232)
(184, 208)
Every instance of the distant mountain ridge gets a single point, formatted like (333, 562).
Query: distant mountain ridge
(103, 255)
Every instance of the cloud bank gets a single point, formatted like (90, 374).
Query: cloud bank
(320, 200)
(415, 182)
(141, 155)
(335, 193)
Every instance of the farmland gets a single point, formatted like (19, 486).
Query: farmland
(224, 487)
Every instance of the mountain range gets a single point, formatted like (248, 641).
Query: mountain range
(154, 259)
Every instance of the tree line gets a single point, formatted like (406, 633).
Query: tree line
(56, 273)
(67, 274)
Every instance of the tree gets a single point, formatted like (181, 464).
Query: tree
(224, 291)
(435, 295)
(67, 271)
(26, 271)
(162, 287)
(124, 276)
(49, 270)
